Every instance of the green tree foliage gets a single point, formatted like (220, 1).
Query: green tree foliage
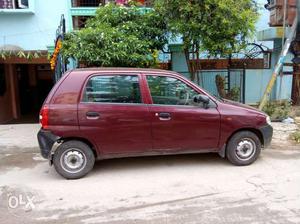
(118, 36)
(220, 27)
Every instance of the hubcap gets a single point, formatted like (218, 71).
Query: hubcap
(73, 160)
(246, 148)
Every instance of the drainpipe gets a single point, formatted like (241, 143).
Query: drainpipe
(282, 44)
(284, 22)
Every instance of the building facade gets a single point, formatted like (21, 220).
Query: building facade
(27, 34)
(254, 70)
(27, 29)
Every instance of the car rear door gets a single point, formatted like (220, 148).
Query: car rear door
(113, 114)
(179, 124)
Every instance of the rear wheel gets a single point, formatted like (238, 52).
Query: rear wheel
(73, 159)
(243, 148)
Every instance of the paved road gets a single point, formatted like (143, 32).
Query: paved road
(171, 189)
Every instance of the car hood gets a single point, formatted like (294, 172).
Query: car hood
(244, 106)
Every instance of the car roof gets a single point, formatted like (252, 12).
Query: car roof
(121, 69)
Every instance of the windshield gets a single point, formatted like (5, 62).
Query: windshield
(218, 97)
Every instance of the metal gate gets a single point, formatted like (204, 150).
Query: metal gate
(234, 80)
(57, 60)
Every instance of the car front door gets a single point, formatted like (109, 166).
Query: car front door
(179, 124)
(113, 114)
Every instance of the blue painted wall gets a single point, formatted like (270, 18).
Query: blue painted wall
(256, 79)
(32, 31)
(36, 31)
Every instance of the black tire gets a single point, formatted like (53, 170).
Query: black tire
(243, 148)
(73, 159)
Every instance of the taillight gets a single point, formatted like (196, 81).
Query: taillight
(44, 117)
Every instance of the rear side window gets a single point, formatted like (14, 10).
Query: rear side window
(113, 89)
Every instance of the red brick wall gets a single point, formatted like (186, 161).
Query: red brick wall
(276, 12)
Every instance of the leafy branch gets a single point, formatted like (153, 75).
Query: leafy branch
(219, 27)
(20, 54)
(118, 36)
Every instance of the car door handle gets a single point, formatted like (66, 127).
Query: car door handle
(163, 116)
(91, 115)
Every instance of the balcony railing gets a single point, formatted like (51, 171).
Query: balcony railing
(81, 10)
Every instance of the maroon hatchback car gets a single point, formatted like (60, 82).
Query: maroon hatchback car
(119, 112)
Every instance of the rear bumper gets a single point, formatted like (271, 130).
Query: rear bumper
(46, 140)
(267, 133)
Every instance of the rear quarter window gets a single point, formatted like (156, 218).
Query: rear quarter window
(69, 90)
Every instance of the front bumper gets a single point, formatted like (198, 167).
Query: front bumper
(267, 134)
(46, 140)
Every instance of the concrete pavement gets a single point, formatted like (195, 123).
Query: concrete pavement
(19, 137)
(167, 189)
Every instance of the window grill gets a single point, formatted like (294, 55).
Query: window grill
(14, 4)
(6, 4)
(87, 3)
(79, 21)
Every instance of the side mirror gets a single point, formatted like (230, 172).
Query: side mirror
(202, 99)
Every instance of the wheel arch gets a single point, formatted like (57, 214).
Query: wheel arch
(84, 140)
(257, 132)
(253, 130)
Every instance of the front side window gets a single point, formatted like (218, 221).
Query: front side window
(113, 89)
(170, 91)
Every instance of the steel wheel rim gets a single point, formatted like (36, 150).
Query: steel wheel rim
(73, 160)
(245, 149)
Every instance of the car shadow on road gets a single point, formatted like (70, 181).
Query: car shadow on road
(164, 161)
(155, 164)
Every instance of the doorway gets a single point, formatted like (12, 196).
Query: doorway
(34, 83)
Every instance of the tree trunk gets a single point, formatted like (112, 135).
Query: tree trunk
(296, 85)
(198, 64)
(190, 65)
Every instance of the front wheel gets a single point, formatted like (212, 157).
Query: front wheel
(73, 159)
(243, 148)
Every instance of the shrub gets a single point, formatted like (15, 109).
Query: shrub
(118, 37)
(278, 110)
(296, 136)
(232, 94)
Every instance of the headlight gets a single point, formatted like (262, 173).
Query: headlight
(268, 120)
